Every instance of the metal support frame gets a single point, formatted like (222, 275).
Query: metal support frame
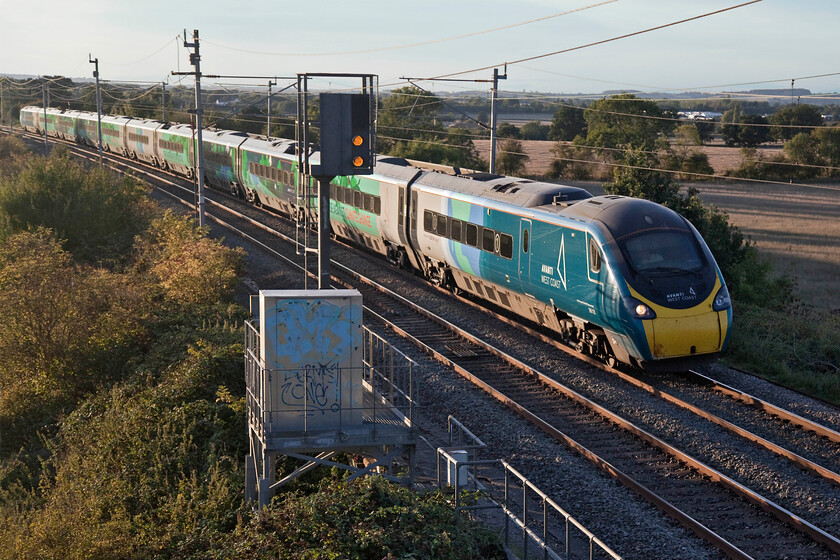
(389, 430)
(314, 191)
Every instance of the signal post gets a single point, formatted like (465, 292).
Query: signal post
(347, 138)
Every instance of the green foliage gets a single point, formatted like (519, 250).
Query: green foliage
(11, 147)
(511, 158)
(368, 519)
(804, 354)
(625, 120)
(63, 327)
(95, 213)
(571, 162)
(409, 127)
(188, 267)
(786, 119)
(567, 123)
(147, 467)
(507, 130)
(534, 131)
(746, 130)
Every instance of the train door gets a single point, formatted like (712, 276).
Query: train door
(401, 216)
(525, 254)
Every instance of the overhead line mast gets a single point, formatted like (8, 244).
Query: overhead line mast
(195, 60)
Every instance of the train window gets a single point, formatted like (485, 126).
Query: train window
(441, 226)
(594, 256)
(472, 235)
(488, 240)
(368, 201)
(506, 246)
(525, 241)
(455, 227)
(377, 205)
(357, 199)
(333, 192)
(428, 219)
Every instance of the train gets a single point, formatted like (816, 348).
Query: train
(622, 279)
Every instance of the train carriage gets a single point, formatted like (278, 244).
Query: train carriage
(114, 134)
(268, 169)
(87, 128)
(371, 210)
(221, 161)
(32, 119)
(140, 137)
(65, 124)
(176, 148)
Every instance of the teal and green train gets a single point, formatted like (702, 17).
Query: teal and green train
(622, 279)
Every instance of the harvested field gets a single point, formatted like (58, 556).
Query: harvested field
(796, 227)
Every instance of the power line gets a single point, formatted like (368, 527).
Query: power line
(601, 42)
(423, 43)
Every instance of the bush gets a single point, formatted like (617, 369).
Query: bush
(187, 267)
(64, 328)
(366, 519)
(96, 214)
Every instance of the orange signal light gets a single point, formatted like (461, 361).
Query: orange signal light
(358, 161)
(358, 140)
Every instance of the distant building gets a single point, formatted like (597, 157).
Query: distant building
(700, 115)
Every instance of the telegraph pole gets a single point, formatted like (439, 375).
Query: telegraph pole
(270, 83)
(95, 62)
(195, 60)
(495, 81)
(163, 102)
(494, 93)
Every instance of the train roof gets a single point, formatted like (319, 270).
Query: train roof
(516, 191)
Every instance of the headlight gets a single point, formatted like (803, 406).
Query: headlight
(638, 309)
(722, 300)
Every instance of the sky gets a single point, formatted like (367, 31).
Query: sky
(771, 41)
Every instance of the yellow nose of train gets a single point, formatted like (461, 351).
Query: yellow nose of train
(677, 333)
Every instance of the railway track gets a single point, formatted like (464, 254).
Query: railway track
(739, 521)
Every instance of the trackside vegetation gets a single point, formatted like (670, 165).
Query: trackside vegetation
(122, 411)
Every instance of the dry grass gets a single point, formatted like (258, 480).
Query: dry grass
(796, 227)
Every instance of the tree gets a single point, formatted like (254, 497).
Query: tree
(744, 130)
(829, 145)
(534, 131)
(511, 159)
(406, 114)
(409, 127)
(507, 130)
(94, 212)
(624, 120)
(804, 115)
(567, 123)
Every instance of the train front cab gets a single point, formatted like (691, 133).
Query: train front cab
(676, 292)
(670, 309)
